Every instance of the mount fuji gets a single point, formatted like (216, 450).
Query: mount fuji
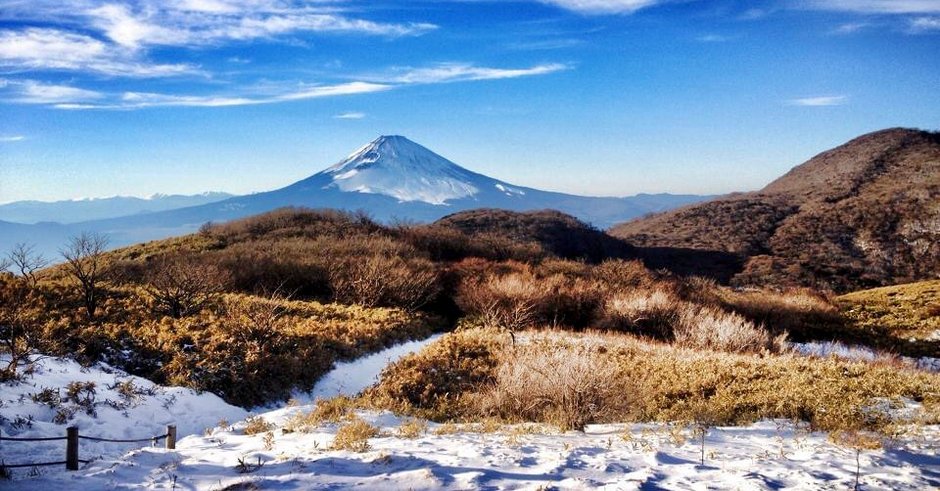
(391, 177)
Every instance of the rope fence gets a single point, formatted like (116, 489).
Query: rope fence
(71, 446)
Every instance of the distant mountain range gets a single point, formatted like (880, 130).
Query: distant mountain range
(390, 178)
(866, 213)
(81, 210)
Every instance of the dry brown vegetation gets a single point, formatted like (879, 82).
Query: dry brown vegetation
(211, 310)
(861, 215)
(247, 349)
(656, 382)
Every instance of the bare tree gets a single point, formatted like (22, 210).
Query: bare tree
(18, 309)
(84, 261)
(181, 285)
(26, 261)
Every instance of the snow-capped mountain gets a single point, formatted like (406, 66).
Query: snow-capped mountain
(398, 167)
(392, 177)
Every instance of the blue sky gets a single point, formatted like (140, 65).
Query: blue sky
(599, 97)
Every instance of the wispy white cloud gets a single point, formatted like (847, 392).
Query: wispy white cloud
(349, 88)
(11, 138)
(141, 100)
(185, 23)
(851, 27)
(112, 38)
(922, 25)
(35, 92)
(350, 115)
(828, 100)
(545, 44)
(458, 72)
(874, 6)
(66, 97)
(37, 49)
(604, 6)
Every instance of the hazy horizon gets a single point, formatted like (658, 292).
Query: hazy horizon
(599, 98)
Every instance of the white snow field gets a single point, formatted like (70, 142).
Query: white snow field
(765, 455)
(123, 407)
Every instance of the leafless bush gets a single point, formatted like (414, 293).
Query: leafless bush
(520, 299)
(712, 328)
(382, 280)
(566, 386)
(646, 312)
(181, 285)
(619, 274)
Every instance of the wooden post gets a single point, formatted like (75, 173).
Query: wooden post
(71, 448)
(170, 437)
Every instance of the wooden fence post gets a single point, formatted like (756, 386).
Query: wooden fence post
(71, 448)
(170, 437)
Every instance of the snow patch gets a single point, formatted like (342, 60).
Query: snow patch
(862, 353)
(351, 378)
(509, 190)
(141, 410)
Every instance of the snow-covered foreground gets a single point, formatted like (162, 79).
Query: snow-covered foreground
(766, 455)
(121, 407)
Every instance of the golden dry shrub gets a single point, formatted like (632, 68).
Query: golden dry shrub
(619, 274)
(375, 279)
(412, 428)
(648, 312)
(520, 299)
(354, 436)
(671, 384)
(714, 329)
(257, 424)
(332, 410)
(568, 386)
(429, 383)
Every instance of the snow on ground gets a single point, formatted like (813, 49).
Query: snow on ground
(863, 353)
(765, 455)
(350, 378)
(142, 410)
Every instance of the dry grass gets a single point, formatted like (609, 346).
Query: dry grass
(331, 410)
(412, 428)
(256, 424)
(430, 383)
(668, 383)
(905, 311)
(354, 436)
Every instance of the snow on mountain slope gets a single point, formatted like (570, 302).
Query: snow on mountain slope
(398, 167)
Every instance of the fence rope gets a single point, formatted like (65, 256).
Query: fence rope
(71, 451)
(45, 439)
(14, 466)
(111, 440)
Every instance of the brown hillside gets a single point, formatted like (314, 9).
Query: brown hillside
(864, 214)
